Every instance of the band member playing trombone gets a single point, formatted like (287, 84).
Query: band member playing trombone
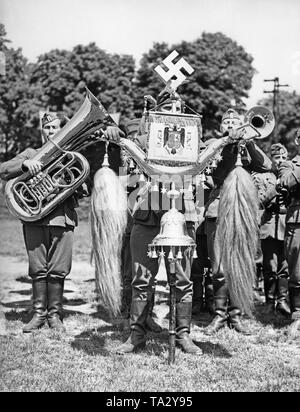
(234, 186)
(48, 241)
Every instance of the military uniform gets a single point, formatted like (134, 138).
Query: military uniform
(253, 159)
(146, 225)
(272, 229)
(49, 247)
(290, 179)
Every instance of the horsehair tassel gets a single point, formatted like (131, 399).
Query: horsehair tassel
(236, 237)
(108, 216)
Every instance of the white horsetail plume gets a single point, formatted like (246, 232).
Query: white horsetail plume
(108, 223)
(237, 236)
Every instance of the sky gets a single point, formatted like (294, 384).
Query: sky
(267, 29)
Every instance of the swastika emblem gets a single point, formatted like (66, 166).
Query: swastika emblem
(174, 74)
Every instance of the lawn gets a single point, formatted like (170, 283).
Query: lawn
(84, 359)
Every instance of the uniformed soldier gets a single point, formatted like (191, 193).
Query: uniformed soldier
(146, 226)
(289, 179)
(48, 241)
(272, 228)
(253, 160)
(126, 258)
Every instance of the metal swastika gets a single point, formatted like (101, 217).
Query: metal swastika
(174, 70)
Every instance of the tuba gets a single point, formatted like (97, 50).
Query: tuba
(31, 198)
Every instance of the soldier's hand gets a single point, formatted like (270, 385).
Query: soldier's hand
(113, 133)
(33, 166)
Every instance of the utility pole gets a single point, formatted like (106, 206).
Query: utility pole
(275, 93)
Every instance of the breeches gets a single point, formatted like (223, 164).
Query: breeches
(274, 262)
(292, 253)
(49, 250)
(145, 269)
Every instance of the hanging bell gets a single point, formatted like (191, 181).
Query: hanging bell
(142, 177)
(131, 164)
(195, 254)
(154, 254)
(179, 254)
(171, 255)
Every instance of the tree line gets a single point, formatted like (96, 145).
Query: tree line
(57, 81)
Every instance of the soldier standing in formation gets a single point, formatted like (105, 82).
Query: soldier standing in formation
(272, 229)
(253, 160)
(48, 241)
(289, 179)
(146, 226)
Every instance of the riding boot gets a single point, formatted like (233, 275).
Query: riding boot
(234, 321)
(125, 309)
(209, 293)
(55, 306)
(270, 284)
(282, 294)
(136, 340)
(197, 303)
(183, 324)
(39, 296)
(220, 301)
(150, 323)
(294, 328)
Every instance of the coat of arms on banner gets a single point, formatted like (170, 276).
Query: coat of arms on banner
(173, 138)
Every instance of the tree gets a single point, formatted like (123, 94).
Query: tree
(223, 73)
(17, 128)
(288, 121)
(63, 76)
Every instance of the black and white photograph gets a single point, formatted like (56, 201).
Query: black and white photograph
(150, 198)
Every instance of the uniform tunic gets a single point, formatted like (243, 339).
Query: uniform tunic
(49, 240)
(290, 179)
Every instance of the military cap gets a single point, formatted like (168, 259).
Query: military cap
(278, 149)
(49, 117)
(230, 114)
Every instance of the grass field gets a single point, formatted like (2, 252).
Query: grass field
(84, 359)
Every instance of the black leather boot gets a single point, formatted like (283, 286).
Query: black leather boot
(270, 285)
(55, 306)
(183, 324)
(282, 294)
(137, 338)
(39, 296)
(197, 303)
(209, 293)
(220, 301)
(150, 323)
(294, 328)
(234, 321)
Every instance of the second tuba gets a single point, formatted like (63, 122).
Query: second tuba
(31, 198)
